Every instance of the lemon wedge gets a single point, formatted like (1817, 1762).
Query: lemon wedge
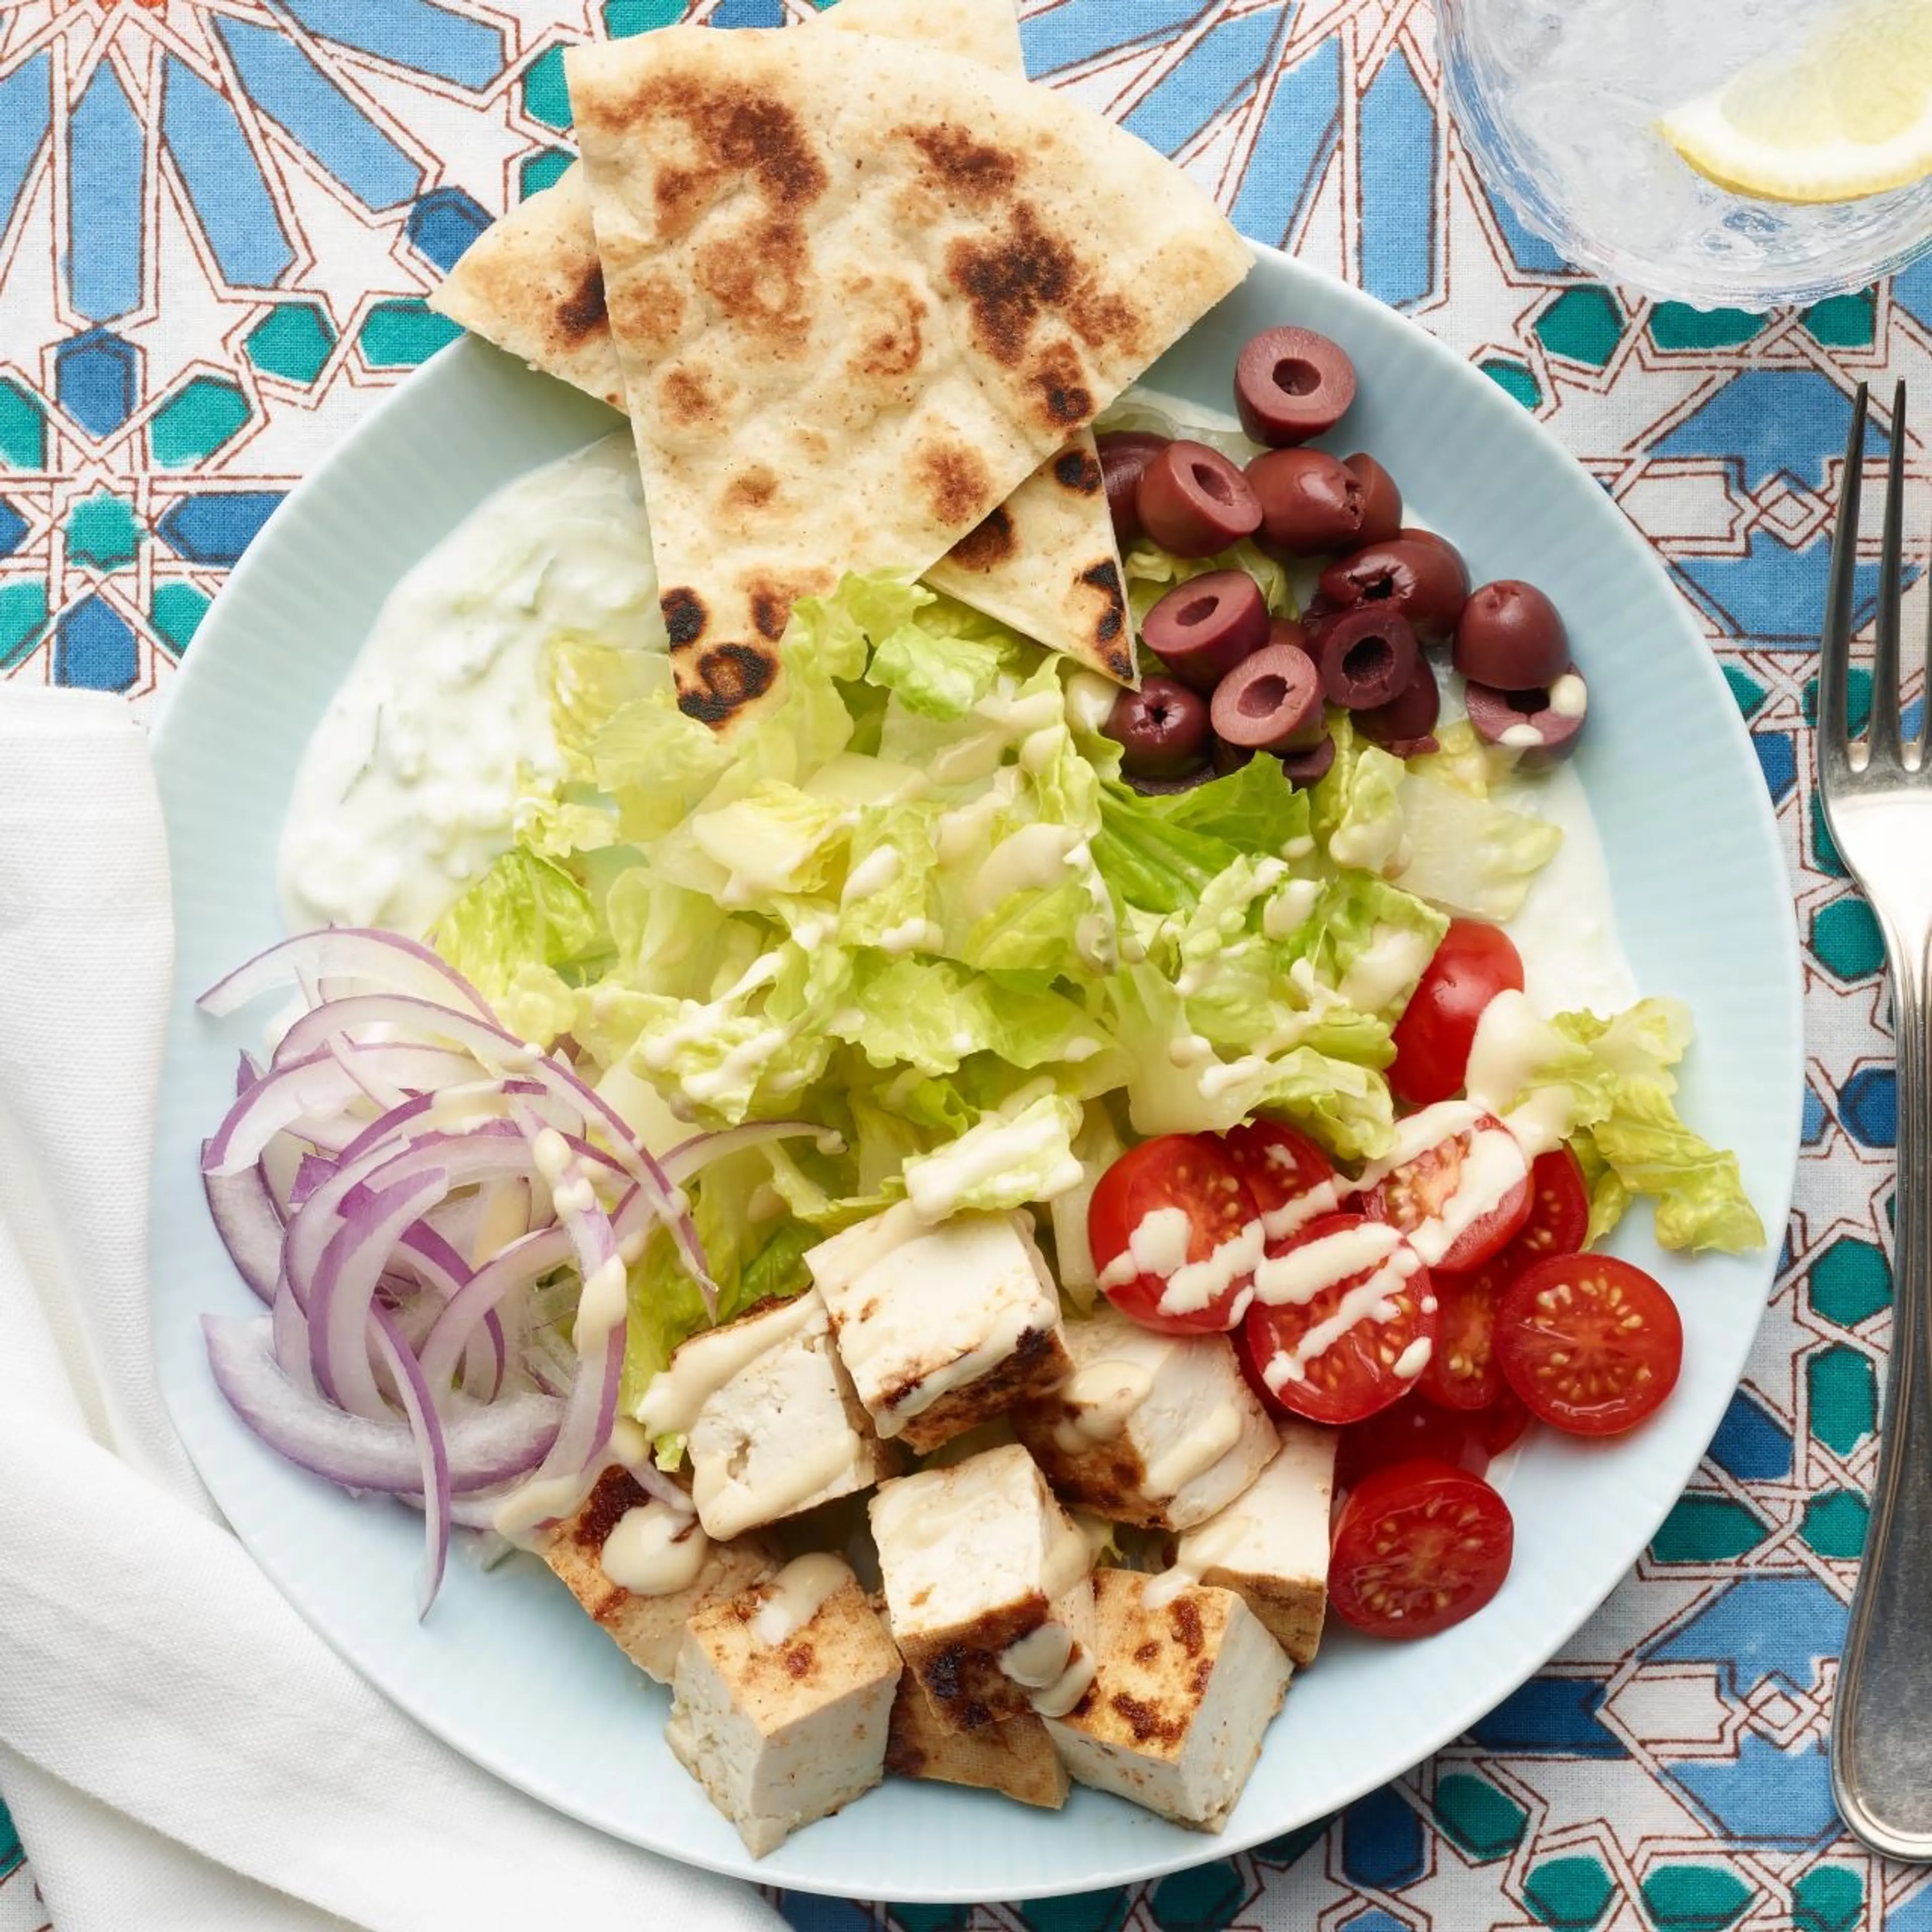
(1850, 116)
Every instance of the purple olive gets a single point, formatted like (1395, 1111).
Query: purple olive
(1124, 453)
(1424, 582)
(1310, 767)
(1291, 385)
(1166, 787)
(1381, 501)
(1368, 658)
(1272, 702)
(1406, 725)
(1509, 635)
(1192, 501)
(1436, 540)
(1203, 628)
(1162, 729)
(1312, 505)
(1543, 725)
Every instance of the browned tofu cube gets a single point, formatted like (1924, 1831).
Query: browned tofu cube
(1182, 1697)
(782, 1704)
(648, 1625)
(1016, 1757)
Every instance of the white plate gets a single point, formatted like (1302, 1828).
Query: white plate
(507, 1669)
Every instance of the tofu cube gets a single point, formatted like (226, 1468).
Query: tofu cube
(941, 1328)
(986, 1588)
(648, 1625)
(1185, 1688)
(1270, 1544)
(782, 1704)
(1016, 1757)
(770, 1419)
(1160, 1431)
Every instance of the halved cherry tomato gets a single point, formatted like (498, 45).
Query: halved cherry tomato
(1368, 1349)
(1591, 1344)
(1473, 963)
(1404, 1429)
(1504, 1422)
(1292, 1180)
(1463, 1373)
(1418, 1546)
(1175, 1235)
(1422, 1197)
(1559, 1209)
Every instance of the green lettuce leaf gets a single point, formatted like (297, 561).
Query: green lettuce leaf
(512, 931)
(1152, 572)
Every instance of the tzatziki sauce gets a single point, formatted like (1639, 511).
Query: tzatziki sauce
(410, 786)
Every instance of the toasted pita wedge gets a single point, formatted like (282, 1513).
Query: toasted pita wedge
(861, 292)
(1045, 563)
(532, 283)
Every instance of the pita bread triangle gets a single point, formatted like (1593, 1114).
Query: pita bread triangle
(861, 291)
(533, 284)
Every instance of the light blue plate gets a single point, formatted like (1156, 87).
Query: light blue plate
(507, 1669)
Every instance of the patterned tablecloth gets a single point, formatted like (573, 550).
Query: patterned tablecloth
(218, 218)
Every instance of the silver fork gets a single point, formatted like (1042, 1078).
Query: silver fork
(1877, 795)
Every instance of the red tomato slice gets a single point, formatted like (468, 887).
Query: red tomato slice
(1463, 1373)
(1175, 1235)
(1342, 1321)
(1473, 963)
(1559, 1209)
(1406, 1429)
(1292, 1180)
(1504, 1422)
(1591, 1344)
(1418, 1546)
(1463, 1199)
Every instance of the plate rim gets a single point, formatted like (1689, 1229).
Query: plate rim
(259, 559)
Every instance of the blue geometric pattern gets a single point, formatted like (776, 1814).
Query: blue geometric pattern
(217, 220)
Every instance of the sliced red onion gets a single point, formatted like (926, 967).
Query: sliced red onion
(444, 1272)
(488, 1444)
(245, 1217)
(362, 1070)
(520, 1266)
(358, 955)
(426, 1431)
(655, 1484)
(311, 1171)
(342, 1294)
(692, 1156)
(289, 1327)
(248, 1071)
(318, 1087)
(429, 1021)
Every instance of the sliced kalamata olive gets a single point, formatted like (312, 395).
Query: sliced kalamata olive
(1406, 724)
(1436, 540)
(1272, 702)
(1162, 729)
(1368, 657)
(1124, 453)
(1543, 725)
(1424, 581)
(1509, 635)
(1149, 787)
(1311, 503)
(1203, 628)
(1193, 501)
(1310, 767)
(1381, 501)
(1286, 631)
(1291, 385)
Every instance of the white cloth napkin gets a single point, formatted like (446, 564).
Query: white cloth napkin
(178, 1749)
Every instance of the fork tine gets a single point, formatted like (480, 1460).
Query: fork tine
(1834, 643)
(1883, 740)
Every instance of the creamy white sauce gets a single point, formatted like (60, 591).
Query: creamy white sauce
(797, 1595)
(655, 1551)
(410, 787)
(1103, 1396)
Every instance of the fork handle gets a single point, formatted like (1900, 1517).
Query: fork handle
(1882, 1730)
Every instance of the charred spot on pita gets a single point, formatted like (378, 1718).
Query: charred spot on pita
(583, 309)
(734, 131)
(685, 616)
(953, 481)
(1074, 470)
(971, 169)
(1105, 577)
(988, 542)
(771, 610)
(727, 678)
(1060, 383)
